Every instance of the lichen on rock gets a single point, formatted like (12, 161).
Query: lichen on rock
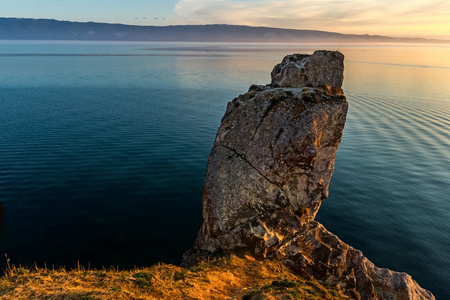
(269, 171)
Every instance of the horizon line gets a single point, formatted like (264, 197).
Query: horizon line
(250, 26)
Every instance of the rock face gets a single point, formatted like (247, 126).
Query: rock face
(269, 171)
(324, 68)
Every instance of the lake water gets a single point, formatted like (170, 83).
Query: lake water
(104, 149)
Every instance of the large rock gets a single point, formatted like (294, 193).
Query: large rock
(324, 68)
(269, 171)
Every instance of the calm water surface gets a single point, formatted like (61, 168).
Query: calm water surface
(104, 149)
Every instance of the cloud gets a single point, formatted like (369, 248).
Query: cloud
(347, 16)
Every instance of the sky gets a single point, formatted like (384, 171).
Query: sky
(408, 18)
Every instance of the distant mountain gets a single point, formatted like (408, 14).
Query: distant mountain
(44, 29)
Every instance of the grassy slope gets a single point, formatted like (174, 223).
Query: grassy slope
(230, 278)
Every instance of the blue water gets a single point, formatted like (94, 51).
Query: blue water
(104, 149)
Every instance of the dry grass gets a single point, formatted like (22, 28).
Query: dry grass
(226, 278)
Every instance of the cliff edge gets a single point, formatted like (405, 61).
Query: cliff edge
(269, 171)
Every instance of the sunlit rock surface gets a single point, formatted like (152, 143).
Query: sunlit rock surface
(324, 68)
(269, 171)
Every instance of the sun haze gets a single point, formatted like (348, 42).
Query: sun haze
(417, 18)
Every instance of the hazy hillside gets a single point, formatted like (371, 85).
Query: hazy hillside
(43, 29)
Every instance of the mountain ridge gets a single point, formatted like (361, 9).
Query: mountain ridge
(50, 29)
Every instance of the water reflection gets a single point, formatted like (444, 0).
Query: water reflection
(2, 213)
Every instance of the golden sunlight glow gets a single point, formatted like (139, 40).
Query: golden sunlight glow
(417, 18)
